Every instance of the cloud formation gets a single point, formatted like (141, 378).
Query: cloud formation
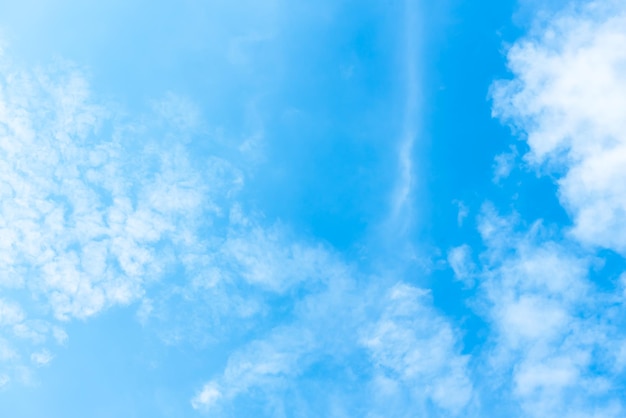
(553, 338)
(555, 332)
(568, 97)
(348, 352)
(93, 211)
(416, 351)
(102, 210)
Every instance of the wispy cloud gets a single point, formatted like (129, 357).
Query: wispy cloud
(402, 212)
(93, 210)
(347, 343)
(365, 351)
(41, 358)
(503, 165)
(552, 349)
(416, 351)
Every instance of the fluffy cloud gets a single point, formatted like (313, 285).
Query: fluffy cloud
(554, 334)
(568, 97)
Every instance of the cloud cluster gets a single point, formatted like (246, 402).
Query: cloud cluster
(556, 336)
(568, 97)
(92, 209)
(553, 339)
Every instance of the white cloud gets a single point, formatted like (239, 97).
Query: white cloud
(41, 358)
(463, 212)
(401, 217)
(234, 279)
(10, 313)
(557, 338)
(568, 96)
(93, 210)
(460, 260)
(267, 258)
(407, 348)
(504, 164)
(268, 367)
(413, 344)
(552, 348)
(7, 352)
(207, 397)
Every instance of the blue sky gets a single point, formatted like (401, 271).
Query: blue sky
(297, 209)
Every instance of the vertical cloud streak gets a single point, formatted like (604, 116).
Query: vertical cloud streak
(402, 214)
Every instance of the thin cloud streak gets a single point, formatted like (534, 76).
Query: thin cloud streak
(402, 212)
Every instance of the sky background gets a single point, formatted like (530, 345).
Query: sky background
(312, 209)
